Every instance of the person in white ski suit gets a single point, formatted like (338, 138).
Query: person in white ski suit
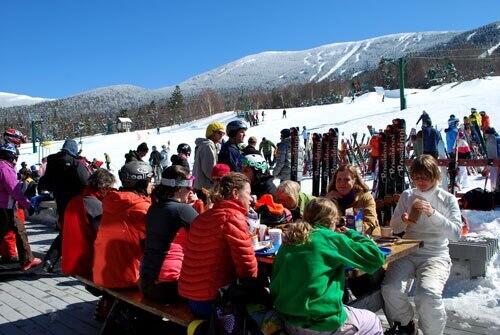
(165, 156)
(429, 267)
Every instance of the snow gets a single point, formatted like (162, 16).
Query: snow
(475, 299)
(342, 61)
(11, 99)
(478, 299)
(490, 51)
(470, 36)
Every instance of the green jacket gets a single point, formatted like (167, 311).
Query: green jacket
(308, 279)
(266, 146)
(298, 211)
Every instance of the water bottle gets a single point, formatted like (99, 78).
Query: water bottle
(358, 221)
(349, 218)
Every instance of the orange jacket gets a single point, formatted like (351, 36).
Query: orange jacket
(78, 237)
(219, 250)
(485, 123)
(117, 247)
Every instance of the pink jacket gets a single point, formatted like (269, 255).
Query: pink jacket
(10, 187)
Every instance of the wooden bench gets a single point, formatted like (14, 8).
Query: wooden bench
(178, 313)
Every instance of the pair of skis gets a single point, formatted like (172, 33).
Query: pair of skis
(325, 160)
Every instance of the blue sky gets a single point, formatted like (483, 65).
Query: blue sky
(57, 48)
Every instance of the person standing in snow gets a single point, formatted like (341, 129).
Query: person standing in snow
(137, 155)
(165, 156)
(431, 138)
(284, 114)
(492, 140)
(305, 135)
(183, 153)
(475, 121)
(250, 149)
(230, 153)
(451, 134)
(266, 148)
(154, 161)
(282, 170)
(205, 156)
(437, 221)
(263, 116)
(425, 118)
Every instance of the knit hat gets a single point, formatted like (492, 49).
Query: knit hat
(256, 162)
(71, 147)
(143, 147)
(213, 128)
(220, 170)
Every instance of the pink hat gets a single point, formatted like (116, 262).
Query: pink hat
(220, 170)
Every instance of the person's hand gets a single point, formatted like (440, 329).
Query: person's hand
(333, 195)
(424, 207)
(340, 229)
(406, 219)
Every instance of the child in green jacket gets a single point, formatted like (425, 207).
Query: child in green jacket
(309, 274)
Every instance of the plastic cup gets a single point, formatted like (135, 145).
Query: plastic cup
(275, 235)
(262, 232)
(386, 231)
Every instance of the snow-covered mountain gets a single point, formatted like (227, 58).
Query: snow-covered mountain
(10, 99)
(278, 68)
(275, 69)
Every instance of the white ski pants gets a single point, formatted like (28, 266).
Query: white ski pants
(429, 275)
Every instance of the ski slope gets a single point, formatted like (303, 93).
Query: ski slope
(478, 299)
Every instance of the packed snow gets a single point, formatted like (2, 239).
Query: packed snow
(474, 300)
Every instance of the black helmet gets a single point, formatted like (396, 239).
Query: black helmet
(233, 127)
(133, 172)
(9, 152)
(184, 148)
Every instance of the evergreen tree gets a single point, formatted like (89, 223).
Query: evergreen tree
(176, 102)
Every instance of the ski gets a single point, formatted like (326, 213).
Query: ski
(325, 162)
(316, 163)
(294, 159)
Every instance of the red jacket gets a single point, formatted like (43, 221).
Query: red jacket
(375, 146)
(219, 250)
(117, 247)
(78, 237)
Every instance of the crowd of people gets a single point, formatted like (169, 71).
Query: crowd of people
(181, 233)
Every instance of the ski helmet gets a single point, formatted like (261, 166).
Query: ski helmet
(184, 148)
(233, 127)
(14, 136)
(256, 162)
(9, 151)
(133, 172)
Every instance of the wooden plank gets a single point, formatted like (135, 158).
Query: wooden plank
(179, 313)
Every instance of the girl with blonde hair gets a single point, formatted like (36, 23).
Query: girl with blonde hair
(309, 274)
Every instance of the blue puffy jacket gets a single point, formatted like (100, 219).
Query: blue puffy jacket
(231, 155)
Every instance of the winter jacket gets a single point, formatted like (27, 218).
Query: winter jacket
(165, 155)
(298, 211)
(118, 246)
(163, 224)
(492, 145)
(282, 169)
(230, 155)
(485, 123)
(431, 138)
(266, 147)
(263, 185)
(155, 158)
(463, 146)
(132, 155)
(219, 250)
(308, 279)
(475, 118)
(81, 220)
(65, 176)
(11, 189)
(365, 201)
(205, 158)
(435, 231)
(250, 150)
(451, 137)
(180, 160)
(425, 118)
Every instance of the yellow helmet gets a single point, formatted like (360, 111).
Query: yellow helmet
(214, 127)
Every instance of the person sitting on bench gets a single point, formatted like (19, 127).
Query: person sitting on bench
(167, 225)
(219, 248)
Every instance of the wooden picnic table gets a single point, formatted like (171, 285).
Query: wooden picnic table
(399, 249)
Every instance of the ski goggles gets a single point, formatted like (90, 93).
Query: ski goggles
(188, 183)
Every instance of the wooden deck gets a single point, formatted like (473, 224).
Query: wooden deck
(37, 303)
